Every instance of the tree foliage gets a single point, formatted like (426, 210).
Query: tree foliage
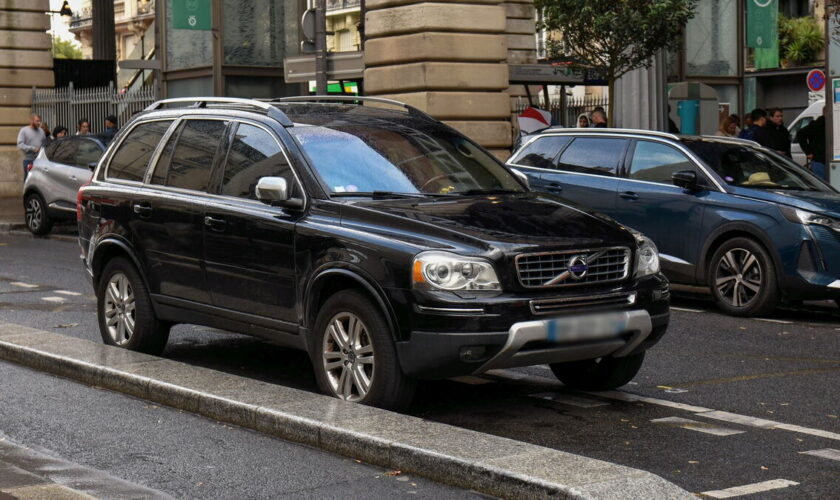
(613, 36)
(65, 49)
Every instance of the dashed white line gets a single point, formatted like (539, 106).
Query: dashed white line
(632, 398)
(68, 292)
(829, 453)
(780, 321)
(687, 309)
(54, 299)
(749, 489)
(767, 424)
(23, 285)
(694, 425)
(568, 399)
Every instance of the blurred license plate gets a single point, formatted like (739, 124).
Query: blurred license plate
(575, 328)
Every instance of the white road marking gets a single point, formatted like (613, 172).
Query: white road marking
(568, 399)
(694, 425)
(468, 379)
(687, 309)
(768, 320)
(739, 419)
(54, 299)
(632, 398)
(811, 432)
(828, 453)
(749, 489)
(67, 292)
(23, 285)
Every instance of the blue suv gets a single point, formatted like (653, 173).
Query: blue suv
(725, 213)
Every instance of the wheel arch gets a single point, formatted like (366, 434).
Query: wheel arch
(736, 230)
(107, 250)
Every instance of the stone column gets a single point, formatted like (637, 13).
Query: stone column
(446, 58)
(25, 61)
(522, 49)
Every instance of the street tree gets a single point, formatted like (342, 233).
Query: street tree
(65, 49)
(613, 37)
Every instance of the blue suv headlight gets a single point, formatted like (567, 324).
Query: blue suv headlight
(804, 217)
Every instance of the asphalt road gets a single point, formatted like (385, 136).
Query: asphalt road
(731, 402)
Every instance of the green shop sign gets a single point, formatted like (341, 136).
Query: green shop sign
(762, 27)
(191, 15)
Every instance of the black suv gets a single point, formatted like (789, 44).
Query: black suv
(383, 242)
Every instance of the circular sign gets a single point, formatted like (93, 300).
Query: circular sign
(816, 80)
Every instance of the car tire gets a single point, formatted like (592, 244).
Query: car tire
(601, 374)
(37, 220)
(124, 310)
(354, 354)
(742, 278)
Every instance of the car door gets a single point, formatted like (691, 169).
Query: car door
(586, 171)
(84, 152)
(249, 246)
(537, 157)
(671, 216)
(56, 172)
(169, 212)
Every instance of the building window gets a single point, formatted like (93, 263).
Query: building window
(712, 39)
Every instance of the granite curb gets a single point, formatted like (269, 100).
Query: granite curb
(459, 457)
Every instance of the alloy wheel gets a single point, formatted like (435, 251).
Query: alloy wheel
(120, 309)
(34, 213)
(348, 357)
(738, 278)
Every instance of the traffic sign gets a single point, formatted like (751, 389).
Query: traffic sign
(815, 80)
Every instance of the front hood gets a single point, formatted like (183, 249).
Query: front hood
(512, 222)
(814, 201)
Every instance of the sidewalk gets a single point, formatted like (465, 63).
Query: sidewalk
(11, 211)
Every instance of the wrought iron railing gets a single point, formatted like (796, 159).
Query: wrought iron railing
(342, 4)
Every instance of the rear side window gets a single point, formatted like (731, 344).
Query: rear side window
(86, 153)
(654, 162)
(593, 155)
(61, 151)
(253, 154)
(187, 160)
(541, 152)
(135, 151)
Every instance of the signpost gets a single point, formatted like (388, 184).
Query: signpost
(815, 80)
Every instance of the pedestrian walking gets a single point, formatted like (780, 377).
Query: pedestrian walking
(778, 135)
(30, 139)
(812, 140)
(756, 132)
(583, 120)
(110, 128)
(728, 127)
(599, 119)
(83, 127)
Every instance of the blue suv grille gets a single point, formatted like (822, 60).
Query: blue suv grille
(573, 267)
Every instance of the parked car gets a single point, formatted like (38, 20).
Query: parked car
(724, 213)
(381, 241)
(806, 117)
(49, 193)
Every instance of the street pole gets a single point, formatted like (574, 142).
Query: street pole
(321, 47)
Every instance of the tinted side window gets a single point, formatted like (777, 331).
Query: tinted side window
(192, 158)
(254, 153)
(134, 153)
(61, 151)
(541, 152)
(593, 155)
(87, 152)
(654, 162)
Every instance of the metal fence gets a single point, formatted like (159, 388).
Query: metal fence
(574, 106)
(66, 106)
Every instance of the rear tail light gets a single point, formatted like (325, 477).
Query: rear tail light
(79, 200)
(29, 167)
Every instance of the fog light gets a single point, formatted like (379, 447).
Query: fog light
(472, 353)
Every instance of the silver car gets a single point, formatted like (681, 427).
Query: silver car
(49, 193)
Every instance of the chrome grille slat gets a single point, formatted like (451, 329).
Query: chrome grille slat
(535, 270)
(588, 302)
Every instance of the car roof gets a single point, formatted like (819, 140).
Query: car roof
(641, 132)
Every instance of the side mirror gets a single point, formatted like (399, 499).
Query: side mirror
(686, 179)
(92, 165)
(275, 191)
(522, 177)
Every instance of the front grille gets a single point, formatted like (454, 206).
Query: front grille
(552, 269)
(582, 303)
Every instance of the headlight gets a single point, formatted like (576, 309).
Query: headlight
(647, 256)
(804, 217)
(448, 271)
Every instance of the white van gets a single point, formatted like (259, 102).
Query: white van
(810, 114)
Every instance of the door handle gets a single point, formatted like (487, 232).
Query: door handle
(629, 195)
(215, 223)
(73, 178)
(554, 188)
(143, 209)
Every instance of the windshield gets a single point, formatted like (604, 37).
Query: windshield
(750, 167)
(421, 158)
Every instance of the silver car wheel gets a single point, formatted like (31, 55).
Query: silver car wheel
(348, 357)
(119, 309)
(34, 213)
(738, 278)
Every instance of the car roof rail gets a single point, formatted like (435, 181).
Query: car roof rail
(594, 130)
(201, 102)
(352, 99)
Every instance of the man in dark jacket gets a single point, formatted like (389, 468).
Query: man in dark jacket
(778, 135)
(812, 140)
(756, 132)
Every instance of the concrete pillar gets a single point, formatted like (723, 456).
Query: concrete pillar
(446, 58)
(25, 61)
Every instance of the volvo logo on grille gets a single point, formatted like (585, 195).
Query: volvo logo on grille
(578, 267)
